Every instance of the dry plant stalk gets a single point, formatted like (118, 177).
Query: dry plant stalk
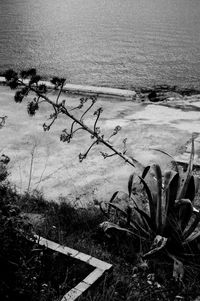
(29, 81)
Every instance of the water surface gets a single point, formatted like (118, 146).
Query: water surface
(118, 43)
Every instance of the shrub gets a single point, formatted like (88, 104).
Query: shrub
(170, 221)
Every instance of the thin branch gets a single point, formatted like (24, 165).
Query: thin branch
(31, 168)
(81, 118)
(41, 176)
(98, 115)
(105, 155)
(81, 128)
(100, 139)
(83, 156)
(60, 91)
(72, 125)
(47, 127)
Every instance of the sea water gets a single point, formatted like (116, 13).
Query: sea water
(116, 43)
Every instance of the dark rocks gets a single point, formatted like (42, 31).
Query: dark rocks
(152, 96)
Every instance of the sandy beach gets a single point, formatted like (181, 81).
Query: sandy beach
(57, 171)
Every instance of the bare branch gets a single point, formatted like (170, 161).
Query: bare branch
(60, 91)
(115, 131)
(93, 102)
(98, 113)
(95, 132)
(84, 156)
(105, 155)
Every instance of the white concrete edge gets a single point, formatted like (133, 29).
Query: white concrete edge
(100, 266)
(88, 90)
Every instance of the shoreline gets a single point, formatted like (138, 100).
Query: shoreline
(187, 90)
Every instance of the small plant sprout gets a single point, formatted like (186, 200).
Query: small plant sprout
(29, 82)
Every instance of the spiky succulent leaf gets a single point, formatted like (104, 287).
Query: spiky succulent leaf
(145, 171)
(112, 229)
(111, 200)
(189, 232)
(184, 210)
(197, 183)
(190, 192)
(107, 213)
(158, 175)
(130, 184)
(186, 180)
(170, 156)
(192, 237)
(133, 223)
(146, 219)
(159, 244)
(171, 184)
(152, 207)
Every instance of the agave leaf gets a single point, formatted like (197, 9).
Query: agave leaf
(130, 184)
(117, 207)
(171, 184)
(190, 192)
(141, 213)
(152, 207)
(172, 229)
(158, 175)
(137, 164)
(192, 237)
(165, 153)
(184, 210)
(145, 171)
(192, 227)
(107, 214)
(146, 218)
(112, 199)
(197, 183)
(159, 243)
(133, 223)
(184, 187)
(112, 229)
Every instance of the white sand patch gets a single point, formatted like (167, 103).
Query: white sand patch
(56, 168)
(160, 115)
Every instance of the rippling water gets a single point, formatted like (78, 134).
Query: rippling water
(119, 43)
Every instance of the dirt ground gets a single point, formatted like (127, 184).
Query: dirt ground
(57, 171)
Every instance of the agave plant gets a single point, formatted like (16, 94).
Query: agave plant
(171, 219)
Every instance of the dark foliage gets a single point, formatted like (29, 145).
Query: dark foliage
(34, 79)
(18, 96)
(42, 88)
(31, 72)
(10, 74)
(14, 83)
(57, 81)
(32, 107)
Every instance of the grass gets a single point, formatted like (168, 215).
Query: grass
(132, 278)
